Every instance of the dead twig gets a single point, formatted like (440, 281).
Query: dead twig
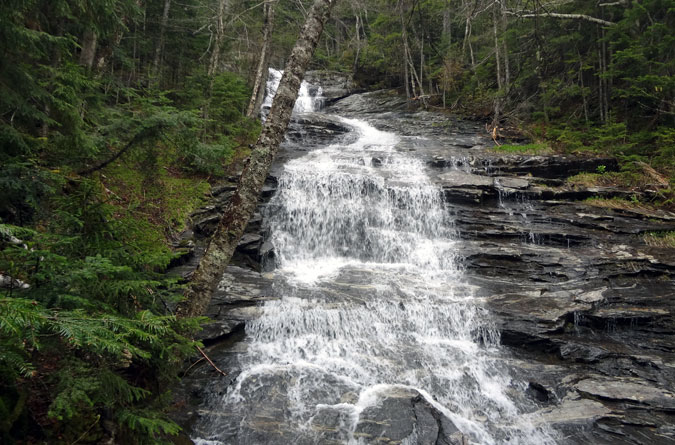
(193, 365)
(201, 351)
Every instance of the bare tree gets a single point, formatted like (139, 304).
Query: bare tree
(245, 199)
(214, 62)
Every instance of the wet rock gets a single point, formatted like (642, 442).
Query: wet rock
(335, 85)
(235, 302)
(628, 390)
(539, 392)
(404, 416)
(456, 195)
(582, 352)
(513, 183)
(250, 243)
(206, 226)
(309, 130)
(372, 102)
(544, 166)
(464, 180)
(573, 410)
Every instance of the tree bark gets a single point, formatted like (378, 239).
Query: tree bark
(162, 34)
(245, 199)
(258, 93)
(447, 25)
(88, 53)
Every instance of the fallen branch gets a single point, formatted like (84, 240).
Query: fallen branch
(201, 351)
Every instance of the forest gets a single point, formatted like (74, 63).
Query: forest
(117, 116)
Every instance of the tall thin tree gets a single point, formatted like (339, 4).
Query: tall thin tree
(258, 93)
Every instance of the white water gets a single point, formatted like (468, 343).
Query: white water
(305, 102)
(372, 299)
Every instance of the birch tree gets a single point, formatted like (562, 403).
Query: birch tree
(219, 40)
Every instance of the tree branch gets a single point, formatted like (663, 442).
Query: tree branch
(201, 351)
(143, 134)
(556, 15)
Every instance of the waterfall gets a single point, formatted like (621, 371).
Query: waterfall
(372, 300)
(310, 97)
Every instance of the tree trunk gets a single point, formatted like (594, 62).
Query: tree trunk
(601, 94)
(447, 25)
(406, 76)
(497, 55)
(357, 30)
(162, 34)
(605, 88)
(408, 56)
(258, 93)
(88, 53)
(467, 42)
(245, 199)
(583, 88)
(214, 63)
(497, 102)
(507, 66)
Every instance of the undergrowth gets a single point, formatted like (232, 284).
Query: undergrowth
(529, 149)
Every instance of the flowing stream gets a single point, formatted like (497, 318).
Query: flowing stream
(372, 303)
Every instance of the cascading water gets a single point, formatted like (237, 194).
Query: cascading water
(310, 98)
(372, 302)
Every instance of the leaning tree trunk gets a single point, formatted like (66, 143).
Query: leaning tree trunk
(245, 199)
(263, 64)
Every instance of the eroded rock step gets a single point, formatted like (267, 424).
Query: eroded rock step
(579, 296)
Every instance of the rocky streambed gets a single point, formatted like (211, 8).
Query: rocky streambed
(583, 306)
